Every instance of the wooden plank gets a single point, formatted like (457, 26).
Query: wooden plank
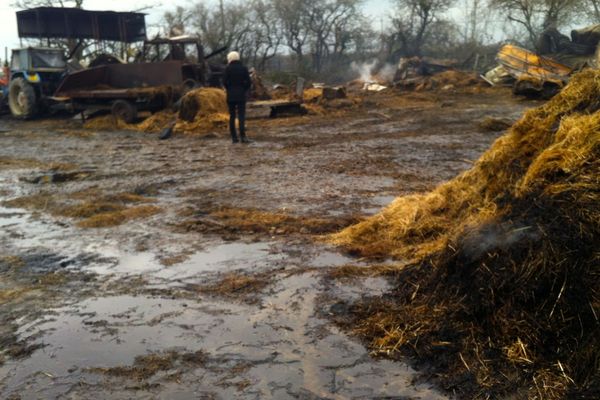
(272, 103)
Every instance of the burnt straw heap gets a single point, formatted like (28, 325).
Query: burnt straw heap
(500, 290)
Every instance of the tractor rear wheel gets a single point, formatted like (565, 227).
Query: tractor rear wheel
(22, 99)
(189, 85)
(124, 110)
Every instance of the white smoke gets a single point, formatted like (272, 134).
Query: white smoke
(387, 72)
(370, 72)
(364, 70)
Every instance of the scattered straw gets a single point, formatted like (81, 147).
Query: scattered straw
(118, 217)
(157, 122)
(105, 123)
(18, 163)
(236, 220)
(7, 295)
(96, 210)
(145, 367)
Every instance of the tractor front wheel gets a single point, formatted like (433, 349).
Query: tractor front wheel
(22, 99)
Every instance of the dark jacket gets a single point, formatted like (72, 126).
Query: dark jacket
(236, 80)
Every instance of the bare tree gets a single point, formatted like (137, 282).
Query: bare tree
(476, 21)
(412, 24)
(535, 16)
(357, 36)
(225, 25)
(329, 21)
(591, 10)
(175, 22)
(294, 18)
(353, 34)
(266, 35)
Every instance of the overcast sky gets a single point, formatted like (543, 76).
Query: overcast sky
(377, 9)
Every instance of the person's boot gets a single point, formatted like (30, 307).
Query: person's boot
(245, 139)
(235, 140)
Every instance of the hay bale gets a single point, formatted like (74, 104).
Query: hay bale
(202, 110)
(201, 103)
(312, 95)
(502, 294)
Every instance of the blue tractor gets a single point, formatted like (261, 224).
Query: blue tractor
(35, 73)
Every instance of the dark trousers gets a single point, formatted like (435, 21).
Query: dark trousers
(240, 108)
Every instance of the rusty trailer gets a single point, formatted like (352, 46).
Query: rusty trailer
(123, 89)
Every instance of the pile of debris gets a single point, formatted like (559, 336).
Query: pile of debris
(545, 74)
(500, 295)
(321, 99)
(420, 74)
(576, 52)
(530, 74)
(445, 81)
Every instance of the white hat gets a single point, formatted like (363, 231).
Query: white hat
(233, 56)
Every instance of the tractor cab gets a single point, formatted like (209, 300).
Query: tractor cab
(196, 69)
(35, 73)
(186, 49)
(182, 48)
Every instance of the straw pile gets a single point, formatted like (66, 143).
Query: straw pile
(106, 122)
(451, 79)
(201, 111)
(501, 293)
(156, 122)
(312, 95)
(456, 78)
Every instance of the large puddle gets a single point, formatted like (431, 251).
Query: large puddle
(277, 349)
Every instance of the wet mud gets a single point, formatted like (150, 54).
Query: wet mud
(193, 268)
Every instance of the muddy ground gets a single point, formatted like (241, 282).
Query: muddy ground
(194, 268)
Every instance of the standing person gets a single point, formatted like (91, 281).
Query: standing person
(236, 80)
